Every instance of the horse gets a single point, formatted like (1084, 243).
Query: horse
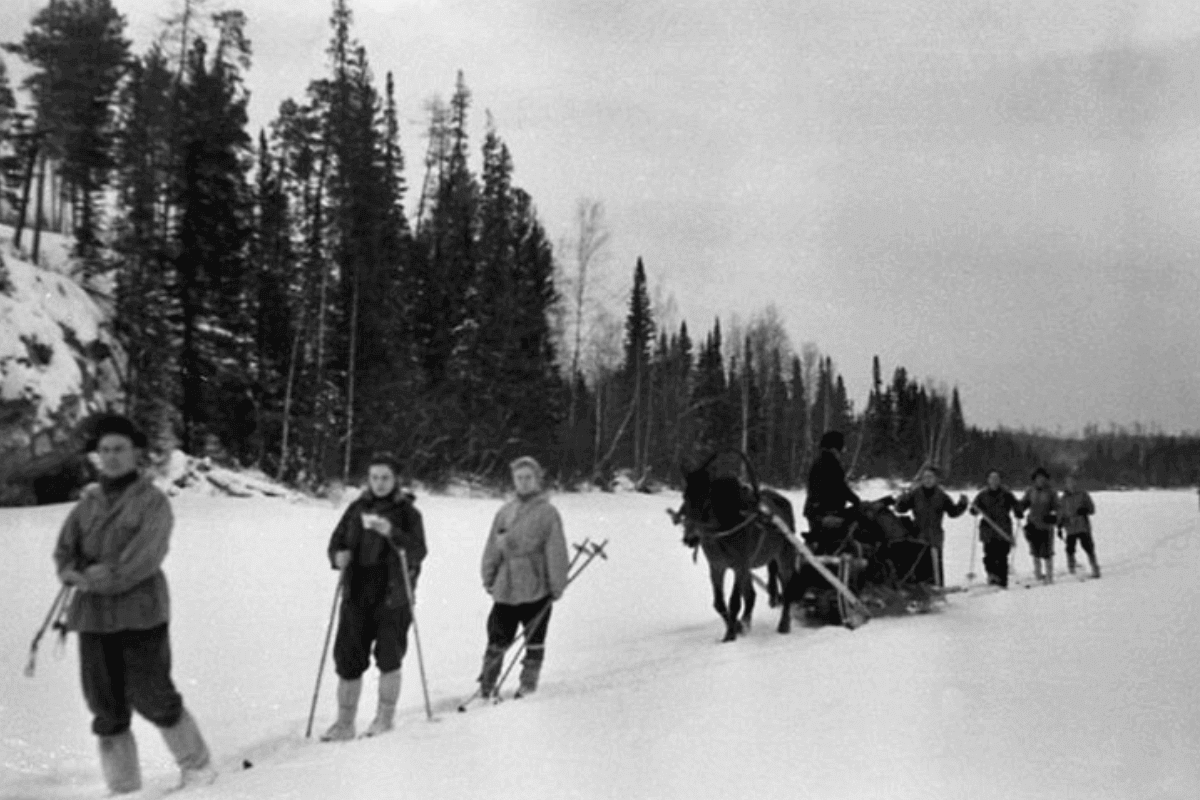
(726, 520)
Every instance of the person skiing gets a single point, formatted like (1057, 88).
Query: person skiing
(1075, 520)
(1041, 503)
(111, 549)
(524, 569)
(366, 546)
(996, 506)
(929, 503)
(830, 502)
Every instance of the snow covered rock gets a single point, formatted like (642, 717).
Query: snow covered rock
(179, 472)
(58, 364)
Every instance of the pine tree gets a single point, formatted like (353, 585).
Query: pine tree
(78, 55)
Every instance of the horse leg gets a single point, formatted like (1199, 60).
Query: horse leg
(732, 626)
(774, 596)
(786, 567)
(717, 575)
(745, 583)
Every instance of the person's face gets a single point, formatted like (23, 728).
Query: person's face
(117, 455)
(526, 481)
(381, 479)
(929, 479)
(993, 480)
(1041, 481)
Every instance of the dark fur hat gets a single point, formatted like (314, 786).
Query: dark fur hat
(1039, 471)
(833, 440)
(387, 459)
(115, 424)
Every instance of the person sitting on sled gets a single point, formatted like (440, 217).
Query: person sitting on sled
(375, 609)
(1075, 520)
(831, 504)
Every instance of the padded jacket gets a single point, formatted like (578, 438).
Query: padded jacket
(525, 558)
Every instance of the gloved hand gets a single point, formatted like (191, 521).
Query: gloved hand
(72, 577)
(888, 501)
(97, 575)
(341, 559)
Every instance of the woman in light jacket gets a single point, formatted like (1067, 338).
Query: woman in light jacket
(524, 570)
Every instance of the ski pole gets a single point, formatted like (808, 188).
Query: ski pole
(61, 602)
(337, 595)
(971, 565)
(592, 551)
(412, 610)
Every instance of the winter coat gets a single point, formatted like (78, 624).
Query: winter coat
(374, 575)
(828, 492)
(928, 507)
(128, 534)
(1074, 512)
(1042, 505)
(525, 558)
(998, 505)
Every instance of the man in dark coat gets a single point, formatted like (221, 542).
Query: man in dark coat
(929, 504)
(366, 546)
(111, 549)
(996, 506)
(831, 502)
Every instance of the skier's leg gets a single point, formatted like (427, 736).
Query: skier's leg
(1072, 539)
(351, 653)
(102, 673)
(390, 647)
(1089, 547)
(1002, 550)
(535, 643)
(502, 625)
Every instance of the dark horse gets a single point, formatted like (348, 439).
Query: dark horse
(725, 519)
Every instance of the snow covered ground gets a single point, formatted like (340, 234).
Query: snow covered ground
(1080, 690)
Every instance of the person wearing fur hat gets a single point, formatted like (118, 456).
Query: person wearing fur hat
(111, 549)
(830, 499)
(1075, 521)
(524, 569)
(366, 547)
(1041, 503)
(929, 503)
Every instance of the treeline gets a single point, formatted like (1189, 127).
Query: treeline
(277, 304)
(287, 301)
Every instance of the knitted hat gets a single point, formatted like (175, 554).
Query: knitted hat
(115, 425)
(833, 440)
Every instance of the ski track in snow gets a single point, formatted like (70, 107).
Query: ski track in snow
(1083, 689)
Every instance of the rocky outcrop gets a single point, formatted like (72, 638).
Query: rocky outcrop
(58, 365)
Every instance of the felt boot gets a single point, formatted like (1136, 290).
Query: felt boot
(389, 693)
(191, 753)
(530, 672)
(493, 661)
(347, 696)
(119, 763)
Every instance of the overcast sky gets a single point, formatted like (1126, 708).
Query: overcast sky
(999, 195)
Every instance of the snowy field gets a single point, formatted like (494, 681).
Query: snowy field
(1080, 690)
